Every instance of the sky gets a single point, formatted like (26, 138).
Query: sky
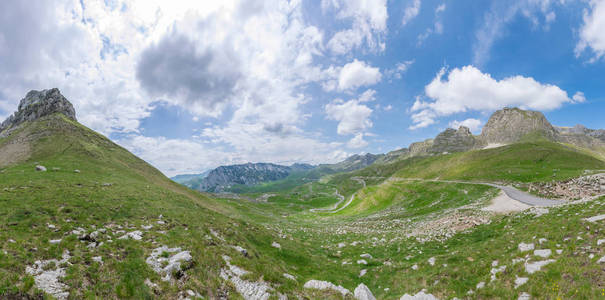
(192, 85)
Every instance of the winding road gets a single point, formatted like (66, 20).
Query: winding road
(510, 191)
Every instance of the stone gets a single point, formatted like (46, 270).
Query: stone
(544, 253)
(325, 285)
(519, 281)
(422, 295)
(495, 271)
(249, 290)
(97, 259)
(166, 265)
(366, 255)
(362, 292)
(291, 277)
(362, 272)
(524, 296)
(531, 268)
(48, 279)
(480, 285)
(526, 247)
(362, 262)
(241, 250)
(40, 168)
(432, 261)
(276, 245)
(54, 242)
(135, 235)
(601, 241)
(601, 260)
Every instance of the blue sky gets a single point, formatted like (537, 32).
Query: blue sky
(191, 86)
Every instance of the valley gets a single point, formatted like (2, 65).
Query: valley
(84, 218)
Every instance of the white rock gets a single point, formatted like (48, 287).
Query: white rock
(601, 260)
(324, 285)
(415, 267)
(495, 271)
(531, 268)
(591, 256)
(559, 251)
(362, 292)
(366, 255)
(147, 227)
(341, 245)
(291, 277)
(54, 242)
(166, 266)
(241, 250)
(419, 296)
(135, 235)
(276, 245)
(524, 296)
(526, 247)
(601, 241)
(519, 281)
(51, 226)
(544, 253)
(40, 168)
(542, 240)
(432, 261)
(362, 262)
(47, 279)
(98, 259)
(363, 272)
(494, 263)
(480, 285)
(595, 218)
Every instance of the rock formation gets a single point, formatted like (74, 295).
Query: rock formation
(37, 104)
(452, 140)
(246, 174)
(509, 125)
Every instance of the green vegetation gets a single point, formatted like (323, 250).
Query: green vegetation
(393, 220)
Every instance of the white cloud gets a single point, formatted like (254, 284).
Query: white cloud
(592, 32)
(504, 12)
(440, 8)
(400, 68)
(468, 89)
(357, 141)
(352, 116)
(473, 124)
(411, 12)
(368, 24)
(578, 97)
(437, 26)
(356, 74)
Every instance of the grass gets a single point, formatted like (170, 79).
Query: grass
(377, 222)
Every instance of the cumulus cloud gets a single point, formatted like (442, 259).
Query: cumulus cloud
(399, 69)
(473, 124)
(357, 141)
(202, 75)
(592, 32)
(356, 74)
(411, 12)
(352, 116)
(468, 89)
(368, 24)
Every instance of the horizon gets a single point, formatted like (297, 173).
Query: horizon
(189, 89)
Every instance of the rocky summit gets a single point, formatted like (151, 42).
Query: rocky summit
(452, 140)
(509, 125)
(37, 104)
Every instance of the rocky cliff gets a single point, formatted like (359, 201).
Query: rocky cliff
(35, 105)
(223, 177)
(509, 125)
(452, 140)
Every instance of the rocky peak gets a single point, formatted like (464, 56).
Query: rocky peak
(509, 125)
(37, 104)
(452, 140)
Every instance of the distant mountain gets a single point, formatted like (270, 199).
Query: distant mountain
(353, 162)
(184, 178)
(220, 179)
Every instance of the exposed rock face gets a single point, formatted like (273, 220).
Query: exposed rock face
(452, 140)
(354, 162)
(509, 125)
(247, 174)
(419, 148)
(37, 104)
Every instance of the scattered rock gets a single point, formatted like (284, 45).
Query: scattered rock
(40, 168)
(524, 296)
(366, 255)
(362, 292)
(362, 262)
(291, 277)
(97, 259)
(526, 247)
(76, 171)
(519, 281)
(601, 260)
(432, 261)
(241, 250)
(165, 264)
(601, 241)
(415, 267)
(422, 295)
(342, 245)
(247, 289)
(559, 251)
(276, 245)
(595, 218)
(47, 279)
(54, 242)
(495, 271)
(363, 272)
(135, 235)
(480, 285)
(531, 268)
(324, 285)
(544, 253)
(147, 227)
